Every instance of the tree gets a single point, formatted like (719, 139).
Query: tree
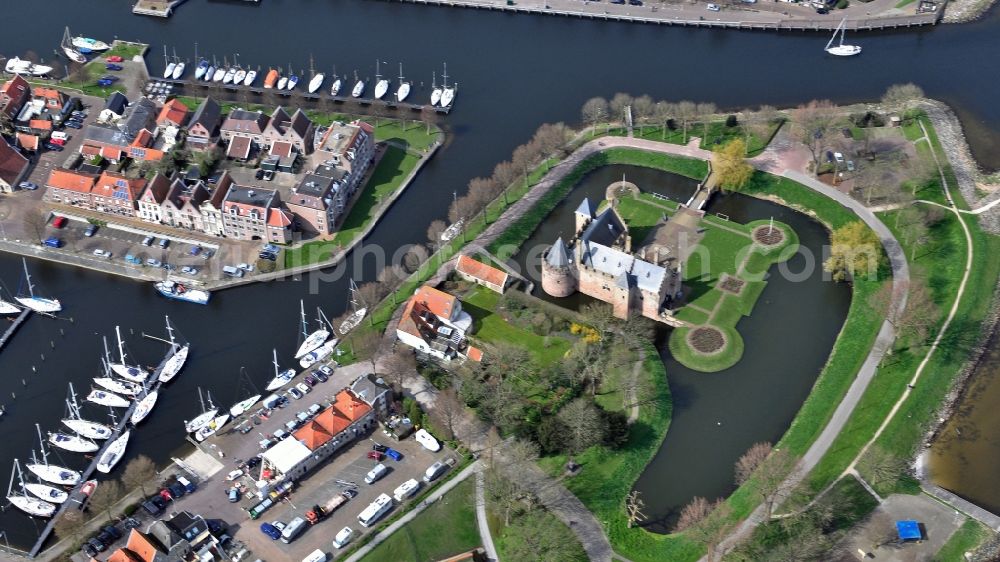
(448, 412)
(730, 167)
(913, 228)
(372, 292)
(633, 508)
(871, 179)
(854, 250)
(399, 366)
(139, 472)
(35, 219)
(706, 523)
(598, 316)
(415, 255)
(768, 468)
(434, 232)
(106, 496)
(644, 111)
(524, 157)
(881, 468)
(535, 536)
(617, 105)
(584, 426)
(483, 190)
(759, 123)
(550, 138)
(462, 209)
(812, 123)
(504, 174)
(919, 316)
(504, 493)
(705, 112)
(594, 111)
(365, 344)
(748, 463)
(686, 111)
(429, 116)
(70, 525)
(665, 112)
(900, 97)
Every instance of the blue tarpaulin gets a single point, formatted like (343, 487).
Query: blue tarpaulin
(908, 530)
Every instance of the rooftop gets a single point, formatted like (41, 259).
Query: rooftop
(481, 271)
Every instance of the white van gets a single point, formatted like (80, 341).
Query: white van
(293, 530)
(60, 135)
(376, 473)
(315, 556)
(406, 489)
(434, 470)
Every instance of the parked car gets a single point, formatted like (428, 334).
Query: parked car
(850, 165)
(159, 501)
(394, 454)
(104, 83)
(234, 494)
(113, 531)
(114, 58)
(91, 230)
(434, 471)
(376, 473)
(165, 495)
(151, 262)
(822, 11)
(310, 380)
(164, 242)
(253, 461)
(375, 456)
(53, 147)
(270, 530)
(259, 174)
(151, 508)
(133, 259)
(188, 270)
(109, 78)
(713, 7)
(60, 142)
(246, 267)
(268, 175)
(195, 250)
(295, 393)
(267, 256)
(53, 242)
(320, 375)
(102, 253)
(303, 388)
(176, 490)
(207, 253)
(325, 370)
(233, 475)
(59, 222)
(188, 485)
(27, 185)
(343, 537)
(148, 241)
(635, 2)
(271, 248)
(73, 125)
(113, 67)
(97, 545)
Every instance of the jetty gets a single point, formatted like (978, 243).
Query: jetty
(14, 326)
(92, 466)
(157, 8)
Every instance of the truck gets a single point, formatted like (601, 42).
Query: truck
(320, 512)
(272, 498)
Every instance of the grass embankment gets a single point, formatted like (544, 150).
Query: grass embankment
(970, 535)
(939, 263)
(716, 134)
(481, 303)
(446, 528)
(390, 172)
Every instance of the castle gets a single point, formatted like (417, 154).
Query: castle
(598, 261)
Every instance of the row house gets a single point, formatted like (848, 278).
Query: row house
(172, 114)
(245, 125)
(150, 204)
(349, 146)
(67, 187)
(252, 213)
(13, 167)
(14, 93)
(297, 130)
(203, 128)
(131, 136)
(116, 194)
(182, 206)
(212, 221)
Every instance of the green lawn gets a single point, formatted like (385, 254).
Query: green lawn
(125, 50)
(87, 84)
(717, 133)
(446, 528)
(970, 535)
(411, 133)
(395, 165)
(481, 303)
(526, 530)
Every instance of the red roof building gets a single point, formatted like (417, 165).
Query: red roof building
(116, 194)
(174, 113)
(434, 323)
(27, 141)
(13, 167)
(331, 424)
(52, 98)
(481, 274)
(70, 188)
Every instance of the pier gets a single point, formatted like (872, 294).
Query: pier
(14, 326)
(157, 8)
(239, 94)
(89, 471)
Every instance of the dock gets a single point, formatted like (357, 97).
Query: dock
(89, 471)
(156, 8)
(239, 94)
(14, 326)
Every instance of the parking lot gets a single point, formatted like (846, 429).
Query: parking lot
(345, 469)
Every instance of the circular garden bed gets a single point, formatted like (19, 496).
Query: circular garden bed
(767, 236)
(707, 348)
(706, 339)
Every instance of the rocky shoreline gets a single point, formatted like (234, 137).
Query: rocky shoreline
(964, 11)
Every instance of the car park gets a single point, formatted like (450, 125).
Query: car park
(188, 270)
(295, 393)
(270, 530)
(102, 253)
(376, 473)
(343, 537)
(27, 185)
(91, 230)
(303, 388)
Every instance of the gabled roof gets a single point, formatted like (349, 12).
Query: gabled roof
(173, 112)
(474, 353)
(279, 218)
(142, 546)
(156, 190)
(481, 271)
(40, 124)
(243, 121)
(27, 141)
(47, 93)
(312, 435)
(605, 229)
(71, 181)
(116, 103)
(116, 186)
(15, 87)
(438, 302)
(332, 420)
(350, 405)
(279, 116)
(369, 388)
(239, 147)
(139, 115)
(584, 209)
(558, 256)
(208, 115)
(12, 163)
(300, 123)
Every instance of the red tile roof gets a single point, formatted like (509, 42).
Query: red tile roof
(333, 420)
(481, 271)
(111, 153)
(40, 124)
(12, 163)
(313, 435)
(350, 405)
(366, 127)
(279, 218)
(440, 303)
(111, 183)
(474, 353)
(144, 138)
(28, 141)
(239, 147)
(173, 112)
(47, 93)
(71, 181)
(140, 545)
(282, 149)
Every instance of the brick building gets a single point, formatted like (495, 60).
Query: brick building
(253, 213)
(13, 167)
(149, 205)
(70, 188)
(14, 93)
(203, 128)
(116, 194)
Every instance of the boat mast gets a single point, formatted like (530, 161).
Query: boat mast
(27, 276)
(434, 80)
(305, 327)
(445, 85)
(202, 400)
(41, 442)
(378, 75)
(10, 485)
(321, 319)
(275, 362)
(121, 344)
(166, 59)
(170, 332)
(401, 73)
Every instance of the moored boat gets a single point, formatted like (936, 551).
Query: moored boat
(243, 405)
(359, 89)
(113, 453)
(251, 76)
(271, 78)
(118, 387)
(381, 87)
(199, 71)
(229, 76)
(122, 368)
(16, 65)
(353, 320)
(293, 81)
(318, 354)
(88, 429)
(144, 407)
(179, 291)
(280, 378)
(335, 87)
(316, 82)
(88, 487)
(109, 399)
(447, 97)
(46, 492)
(841, 50)
(169, 70)
(212, 427)
(74, 55)
(54, 474)
(315, 339)
(38, 304)
(72, 443)
(209, 72)
(282, 82)
(8, 308)
(207, 415)
(32, 506)
(88, 43)
(404, 87)
(174, 364)
(178, 71)
(238, 78)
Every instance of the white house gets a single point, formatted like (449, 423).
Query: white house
(434, 323)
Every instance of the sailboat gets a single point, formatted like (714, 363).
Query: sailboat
(210, 71)
(50, 472)
(144, 406)
(74, 55)
(220, 71)
(38, 304)
(199, 71)
(118, 387)
(123, 369)
(206, 416)
(113, 453)
(88, 43)
(7, 307)
(316, 82)
(381, 86)
(168, 71)
(251, 76)
(404, 87)
(318, 354)
(86, 428)
(447, 94)
(293, 81)
(435, 90)
(841, 50)
(280, 378)
(357, 316)
(16, 65)
(335, 87)
(45, 492)
(311, 340)
(25, 502)
(239, 77)
(73, 51)
(178, 68)
(282, 82)
(359, 86)
(212, 426)
(175, 363)
(109, 399)
(72, 443)
(242, 406)
(229, 76)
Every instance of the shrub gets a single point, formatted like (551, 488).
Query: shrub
(265, 266)
(731, 120)
(550, 435)
(616, 428)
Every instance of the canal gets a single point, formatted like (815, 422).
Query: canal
(514, 73)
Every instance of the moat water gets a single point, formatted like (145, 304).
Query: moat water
(507, 88)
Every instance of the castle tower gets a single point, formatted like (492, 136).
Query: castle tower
(558, 278)
(584, 214)
(621, 303)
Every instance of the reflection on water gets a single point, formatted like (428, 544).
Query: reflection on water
(965, 457)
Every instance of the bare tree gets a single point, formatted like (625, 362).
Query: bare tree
(617, 106)
(505, 493)
(139, 472)
(812, 123)
(483, 190)
(70, 525)
(759, 124)
(429, 116)
(900, 97)
(686, 111)
(448, 411)
(665, 113)
(372, 292)
(750, 460)
(597, 315)
(644, 111)
(415, 255)
(525, 156)
(504, 174)
(705, 113)
(594, 112)
(633, 508)
(493, 443)
(365, 345)
(920, 315)
(434, 232)
(399, 366)
(768, 468)
(35, 219)
(583, 423)
(106, 496)
(462, 208)
(550, 138)
(882, 469)
(706, 523)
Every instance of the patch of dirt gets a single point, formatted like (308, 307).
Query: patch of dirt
(706, 340)
(767, 236)
(731, 284)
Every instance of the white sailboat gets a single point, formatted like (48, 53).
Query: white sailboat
(318, 354)
(72, 443)
(86, 428)
(435, 90)
(38, 304)
(113, 453)
(210, 429)
(123, 369)
(243, 405)
(7, 307)
(45, 492)
(280, 378)
(315, 339)
(229, 76)
(359, 86)
(199, 71)
(316, 82)
(239, 77)
(381, 85)
(50, 472)
(251, 76)
(206, 416)
(117, 386)
(168, 70)
(109, 399)
(24, 501)
(17, 65)
(357, 316)
(87, 43)
(144, 407)
(74, 55)
(335, 87)
(841, 50)
(447, 94)
(220, 71)
(282, 83)
(175, 363)
(404, 87)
